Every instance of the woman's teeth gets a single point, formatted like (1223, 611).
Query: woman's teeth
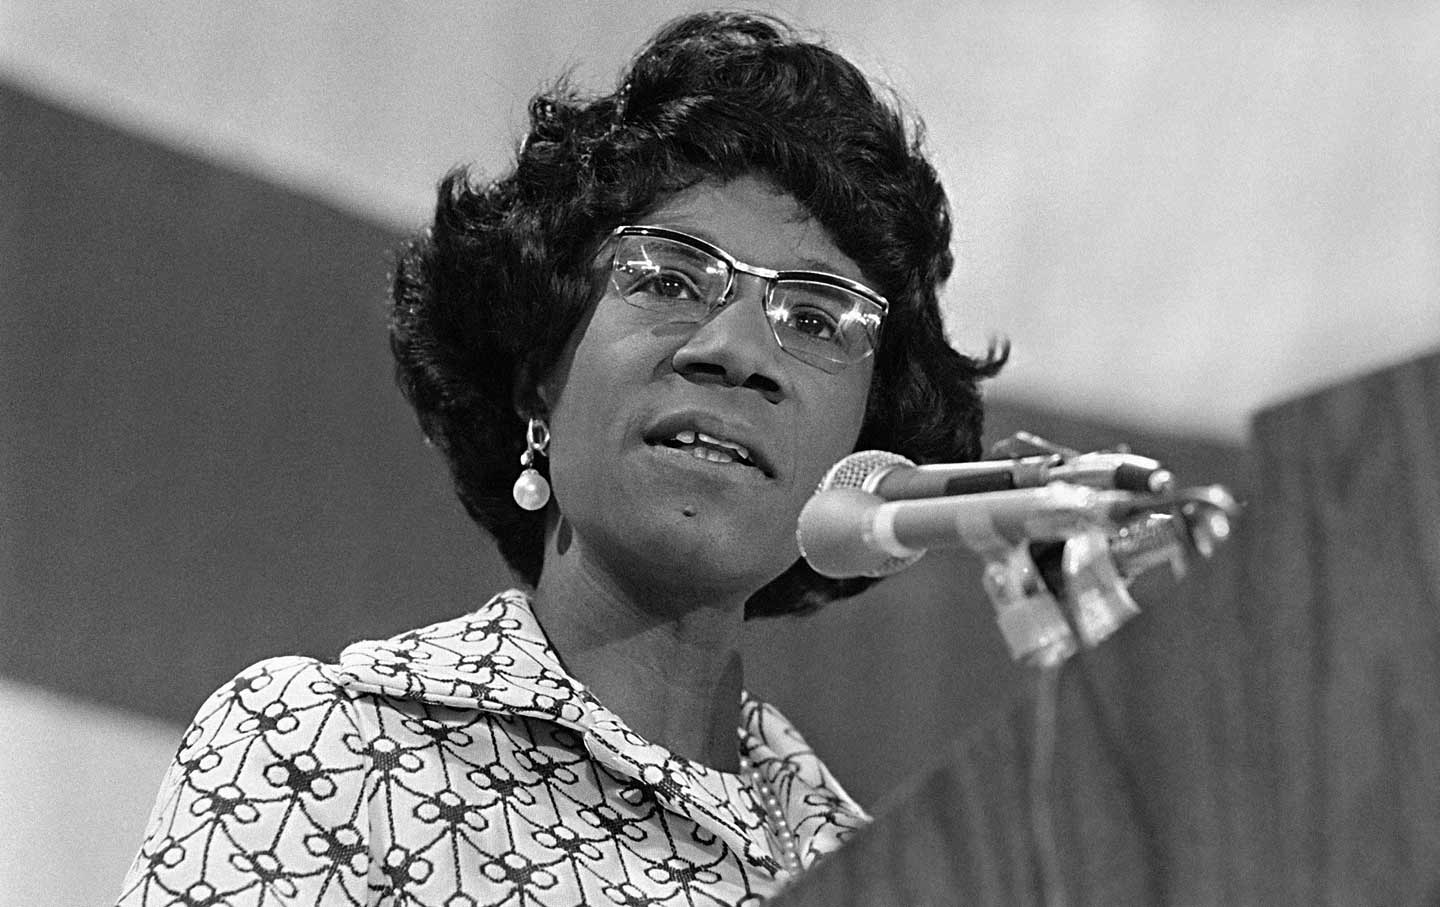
(716, 450)
(714, 456)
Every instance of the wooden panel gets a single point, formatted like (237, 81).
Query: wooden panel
(1346, 564)
(1153, 795)
(1268, 734)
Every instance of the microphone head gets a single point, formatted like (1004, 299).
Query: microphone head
(834, 535)
(858, 469)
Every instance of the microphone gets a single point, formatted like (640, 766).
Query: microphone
(895, 478)
(851, 526)
(846, 532)
(1061, 527)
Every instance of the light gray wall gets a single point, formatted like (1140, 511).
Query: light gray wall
(1146, 191)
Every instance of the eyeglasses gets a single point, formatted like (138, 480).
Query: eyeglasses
(822, 319)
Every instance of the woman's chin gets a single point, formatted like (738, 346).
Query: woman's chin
(690, 548)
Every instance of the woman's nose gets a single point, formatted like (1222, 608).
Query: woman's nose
(734, 346)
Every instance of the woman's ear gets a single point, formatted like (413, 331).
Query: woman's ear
(531, 397)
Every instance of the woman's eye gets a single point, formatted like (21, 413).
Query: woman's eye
(670, 285)
(814, 323)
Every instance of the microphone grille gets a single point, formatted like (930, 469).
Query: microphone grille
(853, 471)
(834, 540)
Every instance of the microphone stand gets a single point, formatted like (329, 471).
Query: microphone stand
(1056, 594)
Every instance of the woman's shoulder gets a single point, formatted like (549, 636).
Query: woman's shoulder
(293, 707)
(283, 677)
(283, 694)
(263, 790)
(276, 694)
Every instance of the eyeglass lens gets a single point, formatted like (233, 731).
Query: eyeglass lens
(811, 320)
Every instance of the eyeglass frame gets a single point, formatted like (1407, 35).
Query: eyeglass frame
(771, 277)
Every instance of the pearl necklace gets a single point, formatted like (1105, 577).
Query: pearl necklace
(774, 816)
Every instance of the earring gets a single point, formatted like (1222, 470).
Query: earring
(531, 491)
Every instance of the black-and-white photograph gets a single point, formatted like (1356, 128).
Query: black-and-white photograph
(542, 454)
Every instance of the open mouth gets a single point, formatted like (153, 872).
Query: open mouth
(707, 447)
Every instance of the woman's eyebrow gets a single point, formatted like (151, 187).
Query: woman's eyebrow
(802, 263)
(815, 264)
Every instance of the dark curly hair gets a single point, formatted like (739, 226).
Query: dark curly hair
(485, 299)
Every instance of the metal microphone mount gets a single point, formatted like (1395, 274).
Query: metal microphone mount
(1053, 595)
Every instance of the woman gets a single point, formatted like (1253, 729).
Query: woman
(639, 351)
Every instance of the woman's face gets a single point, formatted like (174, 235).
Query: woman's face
(646, 499)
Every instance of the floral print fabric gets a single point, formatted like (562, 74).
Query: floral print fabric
(460, 765)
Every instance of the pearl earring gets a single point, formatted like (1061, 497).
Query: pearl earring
(531, 491)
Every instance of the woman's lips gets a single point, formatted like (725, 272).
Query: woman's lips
(706, 437)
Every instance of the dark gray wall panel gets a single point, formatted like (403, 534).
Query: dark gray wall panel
(203, 458)
(203, 462)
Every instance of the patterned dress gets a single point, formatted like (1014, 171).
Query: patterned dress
(460, 765)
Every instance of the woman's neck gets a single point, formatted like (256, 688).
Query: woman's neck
(670, 668)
